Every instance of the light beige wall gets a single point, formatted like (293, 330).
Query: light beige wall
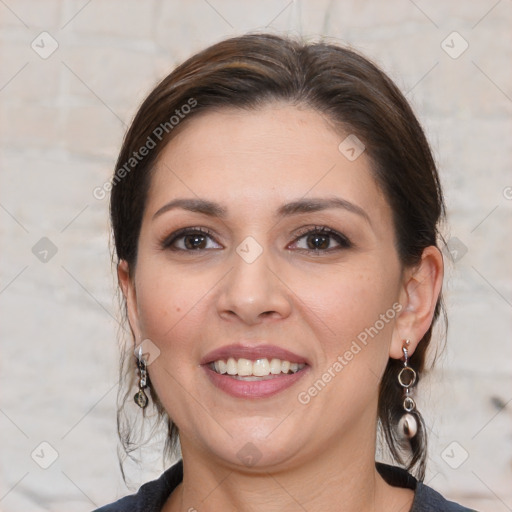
(63, 116)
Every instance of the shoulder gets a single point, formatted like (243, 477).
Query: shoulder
(426, 499)
(151, 496)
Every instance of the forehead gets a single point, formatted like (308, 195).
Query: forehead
(255, 159)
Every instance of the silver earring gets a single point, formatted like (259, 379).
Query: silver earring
(140, 397)
(408, 424)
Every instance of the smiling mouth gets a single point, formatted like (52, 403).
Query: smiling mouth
(259, 369)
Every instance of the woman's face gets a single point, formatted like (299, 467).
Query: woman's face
(262, 279)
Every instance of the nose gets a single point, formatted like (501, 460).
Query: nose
(254, 292)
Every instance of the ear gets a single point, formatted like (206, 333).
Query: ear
(127, 284)
(420, 290)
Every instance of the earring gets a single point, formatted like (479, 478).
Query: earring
(140, 397)
(407, 378)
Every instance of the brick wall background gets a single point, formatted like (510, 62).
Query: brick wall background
(72, 74)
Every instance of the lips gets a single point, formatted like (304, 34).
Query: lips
(245, 383)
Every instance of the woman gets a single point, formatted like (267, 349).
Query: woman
(275, 212)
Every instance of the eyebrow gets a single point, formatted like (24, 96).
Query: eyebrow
(299, 206)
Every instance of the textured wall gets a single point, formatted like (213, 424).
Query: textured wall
(71, 76)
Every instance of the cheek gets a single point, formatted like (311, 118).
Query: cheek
(354, 319)
(165, 299)
(170, 315)
(174, 313)
(348, 302)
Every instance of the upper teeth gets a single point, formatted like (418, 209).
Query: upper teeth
(259, 368)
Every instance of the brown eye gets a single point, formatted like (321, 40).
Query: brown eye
(189, 239)
(317, 241)
(194, 241)
(322, 239)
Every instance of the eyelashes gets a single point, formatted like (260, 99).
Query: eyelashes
(198, 239)
(321, 234)
(195, 234)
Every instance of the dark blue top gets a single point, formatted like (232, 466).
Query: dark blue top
(152, 495)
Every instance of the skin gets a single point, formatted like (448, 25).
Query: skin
(315, 456)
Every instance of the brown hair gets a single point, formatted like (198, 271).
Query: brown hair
(247, 72)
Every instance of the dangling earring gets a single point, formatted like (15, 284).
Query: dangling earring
(140, 397)
(408, 424)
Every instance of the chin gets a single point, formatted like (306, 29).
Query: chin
(258, 443)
